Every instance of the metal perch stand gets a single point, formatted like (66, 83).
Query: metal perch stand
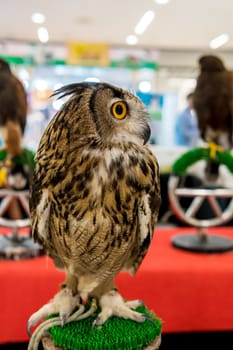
(201, 241)
(16, 246)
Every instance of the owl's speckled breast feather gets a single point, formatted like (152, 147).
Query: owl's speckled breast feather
(100, 195)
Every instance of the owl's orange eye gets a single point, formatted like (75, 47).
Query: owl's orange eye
(119, 110)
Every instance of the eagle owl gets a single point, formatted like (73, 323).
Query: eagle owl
(95, 196)
(213, 101)
(13, 98)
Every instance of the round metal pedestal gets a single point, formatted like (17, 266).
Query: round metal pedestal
(18, 247)
(202, 243)
(14, 245)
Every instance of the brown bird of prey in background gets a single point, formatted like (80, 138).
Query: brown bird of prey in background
(13, 99)
(95, 197)
(213, 101)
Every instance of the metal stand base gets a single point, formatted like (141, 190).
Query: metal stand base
(202, 243)
(14, 247)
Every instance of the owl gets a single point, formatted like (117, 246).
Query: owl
(95, 197)
(213, 101)
(13, 98)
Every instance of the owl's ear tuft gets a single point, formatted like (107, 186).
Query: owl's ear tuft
(71, 89)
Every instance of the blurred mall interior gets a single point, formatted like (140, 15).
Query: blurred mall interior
(52, 43)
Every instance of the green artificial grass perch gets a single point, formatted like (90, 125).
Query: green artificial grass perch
(115, 334)
(25, 158)
(180, 166)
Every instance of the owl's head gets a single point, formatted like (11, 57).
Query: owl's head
(4, 66)
(211, 63)
(106, 111)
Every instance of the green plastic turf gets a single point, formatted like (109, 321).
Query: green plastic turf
(115, 334)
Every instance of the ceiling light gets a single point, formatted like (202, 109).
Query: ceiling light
(41, 85)
(219, 41)
(144, 22)
(38, 18)
(131, 40)
(161, 2)
(92, 80)
(43, 34)
(144, 86)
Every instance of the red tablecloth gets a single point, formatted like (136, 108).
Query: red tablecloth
(189, 291)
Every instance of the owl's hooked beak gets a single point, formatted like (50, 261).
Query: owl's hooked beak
(146, 134)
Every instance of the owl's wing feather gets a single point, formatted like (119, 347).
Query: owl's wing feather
(148, 210)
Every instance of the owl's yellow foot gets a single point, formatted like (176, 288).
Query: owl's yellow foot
(63, 304)
(112, 304)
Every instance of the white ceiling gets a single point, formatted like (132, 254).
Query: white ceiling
(182, 24)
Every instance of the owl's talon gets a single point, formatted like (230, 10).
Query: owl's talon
(149, 318)
(29, 326)
(63, 318)
(63, 304)
(96, 322)
(112, 304)
(34, 319)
